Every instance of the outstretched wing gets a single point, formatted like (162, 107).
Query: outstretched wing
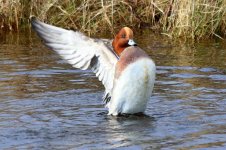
(80, 51)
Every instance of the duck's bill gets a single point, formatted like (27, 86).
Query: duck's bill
(132, 43)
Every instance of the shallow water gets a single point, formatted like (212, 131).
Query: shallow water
(47, 104)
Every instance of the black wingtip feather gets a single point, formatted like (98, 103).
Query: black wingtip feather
(32, 18)
(33, 21)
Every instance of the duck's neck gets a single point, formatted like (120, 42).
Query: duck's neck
(119, 50)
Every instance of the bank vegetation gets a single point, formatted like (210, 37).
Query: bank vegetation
(189, 19)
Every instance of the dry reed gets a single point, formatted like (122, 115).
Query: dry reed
(192, 19)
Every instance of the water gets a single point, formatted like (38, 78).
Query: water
(47, 104)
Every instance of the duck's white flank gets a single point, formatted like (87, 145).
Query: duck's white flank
(134, 89)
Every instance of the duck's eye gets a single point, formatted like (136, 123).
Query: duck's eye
(123, 36)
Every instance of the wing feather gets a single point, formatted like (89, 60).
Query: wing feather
(80, 51)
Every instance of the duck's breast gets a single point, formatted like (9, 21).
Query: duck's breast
(134, 82)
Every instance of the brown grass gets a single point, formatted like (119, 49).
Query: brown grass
(174, 18)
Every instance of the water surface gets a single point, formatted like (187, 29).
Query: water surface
(47, 104)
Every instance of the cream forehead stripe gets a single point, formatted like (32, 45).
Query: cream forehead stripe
(128, 31)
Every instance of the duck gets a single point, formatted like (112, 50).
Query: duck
(126, 71)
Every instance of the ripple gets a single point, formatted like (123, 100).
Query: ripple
(187, 76)
(218, 77)
(207, 70)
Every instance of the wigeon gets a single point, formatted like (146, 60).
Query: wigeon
(126, 71)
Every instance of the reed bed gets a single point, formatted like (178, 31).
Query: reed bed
(189, 19)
